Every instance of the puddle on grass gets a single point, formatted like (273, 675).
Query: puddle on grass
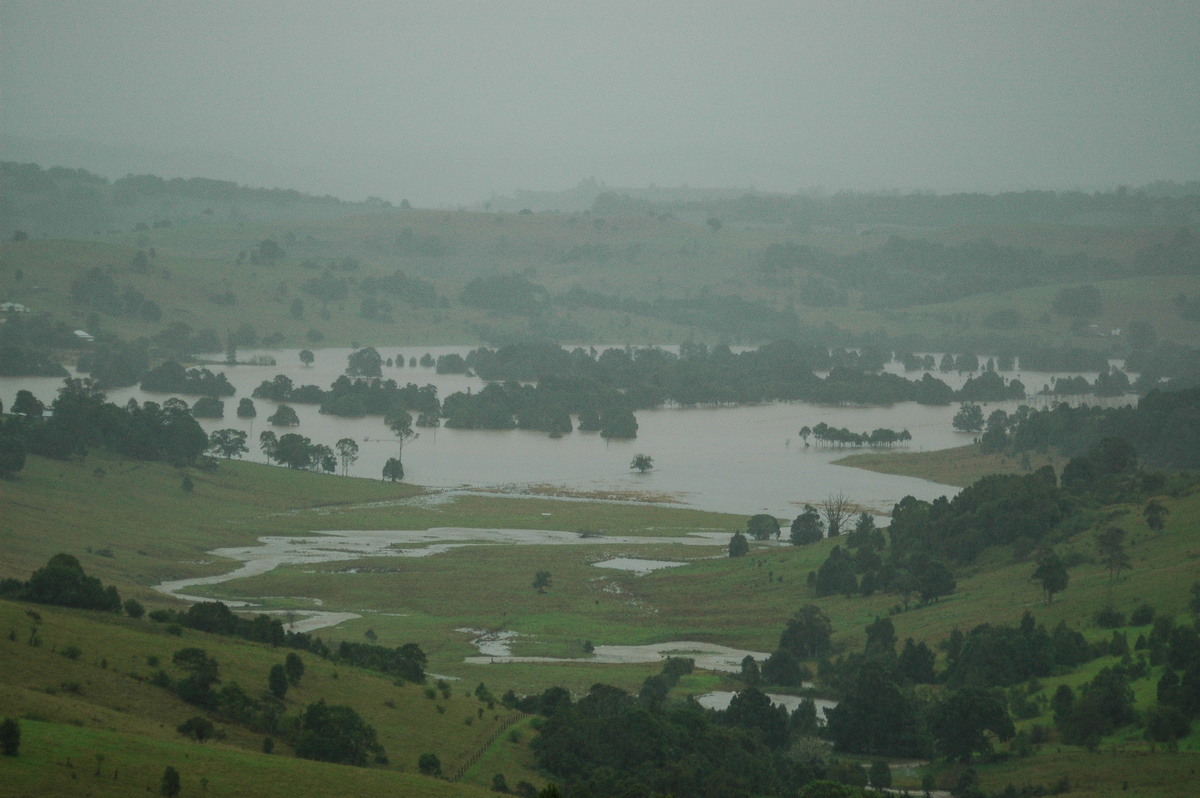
(637, 567)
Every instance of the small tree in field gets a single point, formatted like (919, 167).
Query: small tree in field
(10, 736)
(170, 783)
(738, 545)
(541, 581)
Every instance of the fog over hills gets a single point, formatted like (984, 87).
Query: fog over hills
(452, 104)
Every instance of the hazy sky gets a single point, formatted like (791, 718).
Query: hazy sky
(450, 102)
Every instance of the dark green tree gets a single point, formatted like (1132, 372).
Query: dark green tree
(198, 728)
(10, 736)
(541, 581)
(429, 765)
(169, 786)
(393, 471)
(284, 416)
(294, 667)
(307, 357)
(227, 443)
(12, 455)
(1110, 544)
(336, 734)
(969, 418)
(808, 633)
(642, 462)
(245, 408)
(1155, 514)
(277, 681)
(962, 722)
(807, 527)
(762, 526)
(1052, 573)
(738, 545)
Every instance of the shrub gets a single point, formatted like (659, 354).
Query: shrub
(1109, 618)
(10, 736)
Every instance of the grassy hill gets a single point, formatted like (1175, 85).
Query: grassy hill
(202, 274)
(149, 529)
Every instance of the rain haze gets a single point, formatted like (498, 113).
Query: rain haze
(449, 103)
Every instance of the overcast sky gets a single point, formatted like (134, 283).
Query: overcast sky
(450, 102)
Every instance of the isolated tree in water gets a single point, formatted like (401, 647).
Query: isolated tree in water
(642, 462)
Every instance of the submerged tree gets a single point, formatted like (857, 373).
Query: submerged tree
(642, 462)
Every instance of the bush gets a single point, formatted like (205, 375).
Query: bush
(10, 736)
(1142, 616)
(1109, 618)
(429, 765)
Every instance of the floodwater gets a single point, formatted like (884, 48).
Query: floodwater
(719, 699)
(334, 546)
(743, 460)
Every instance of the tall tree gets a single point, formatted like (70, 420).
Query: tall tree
(1052, 573)
(1110, 544)
(962, 723)
(347, 450)
(807, 527)
(762, 526)
(837, 509)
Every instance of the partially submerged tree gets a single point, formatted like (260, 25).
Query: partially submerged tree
(642, 462)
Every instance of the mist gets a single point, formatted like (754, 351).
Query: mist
(450, 103)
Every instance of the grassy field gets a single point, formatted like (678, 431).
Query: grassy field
(960, 466)
(141, 528)
(645, 258)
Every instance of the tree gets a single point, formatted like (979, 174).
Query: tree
(284, 416)
(429, 765)
(306, 357)
(936, 580)
(245, 408)
(1082, 302)
(227, 443)
(880, 775)
(198, 728)
(277, 681)
(336, 734)
(26, 404)
(762, 526)
(393, 470)
(1052, 573)
(10, 736)
(969, 418)
(12, 455)
(1155, 514)
(836, 509)
(269, 443)
(1111, 547)
(170, 783)
(62, 582)
(347, 450)
(365, 363)
(541, 581)
(1166, 724)
(399, 421)
(642, 462)
(294, 666)
(962, 722)
(808, 633)
(807, 527)
(738, 545)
